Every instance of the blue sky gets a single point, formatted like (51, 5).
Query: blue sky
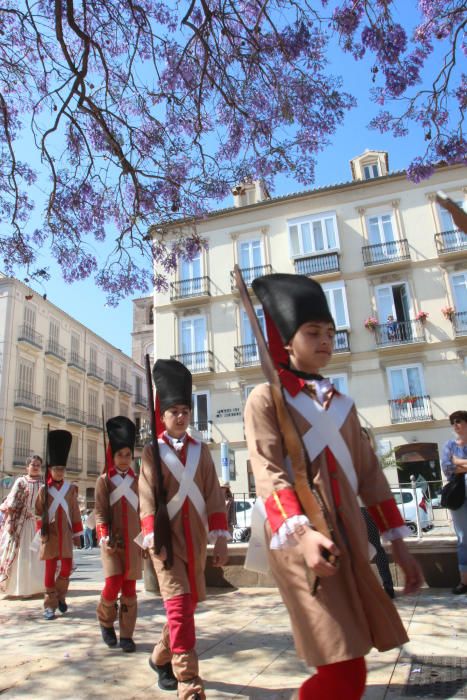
(85, 302)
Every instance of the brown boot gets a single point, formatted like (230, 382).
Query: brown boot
(185, 668)
(127, 619)
(61, 586)
(107, 614)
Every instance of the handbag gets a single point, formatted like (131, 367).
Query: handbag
(453, 493)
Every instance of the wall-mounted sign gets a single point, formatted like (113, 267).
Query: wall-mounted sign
(228, 413)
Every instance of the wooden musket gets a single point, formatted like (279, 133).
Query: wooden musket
(45, 512)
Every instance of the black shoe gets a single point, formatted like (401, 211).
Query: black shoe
(49, 614)
(62, 606)
(460, 588)
(127, 644)
(109, 636)
(390, 591)
(167, 680)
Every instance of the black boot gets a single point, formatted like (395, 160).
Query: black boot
(167, 680)
(109, 636)
(127, 645)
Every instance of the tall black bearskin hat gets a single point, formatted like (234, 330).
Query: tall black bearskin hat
(58, 447)
(173, 384)
(122, 433)
(290, 301)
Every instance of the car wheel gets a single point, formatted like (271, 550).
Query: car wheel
(413, 528)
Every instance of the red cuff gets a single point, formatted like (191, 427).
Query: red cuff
(386, 515)
(217, 521)
(102, 531)
(282, 505)
(38, 525)
(77, 527)
(147, 525)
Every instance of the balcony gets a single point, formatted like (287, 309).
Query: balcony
(76, 361)
(125, 388)
(74, 464)
(93, 468)
(141, 400)
(187, 289)
(246, 355)
(53, 408)
(111, 380)
(249, 274)
(55, 350)
(27, 334)
(450, 242)
(95, 372)
(203, 428)
(386, 253)
(409, 409)
(94, 422)
(341, 342)
(399, 333)
(20, 455)
(323, 264)
(26, 399)
(459, 323)
(75, 415)
(197, 362)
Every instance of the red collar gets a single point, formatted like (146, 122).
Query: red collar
(52, 482)
(291, 382)
(113, 471)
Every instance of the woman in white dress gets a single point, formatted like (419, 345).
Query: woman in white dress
(21, 571)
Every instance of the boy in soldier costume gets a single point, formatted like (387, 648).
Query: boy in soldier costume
(338, 611)
(197, 515)
(117, 524)
(62, 523)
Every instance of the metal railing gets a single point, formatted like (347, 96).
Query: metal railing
(341, 341)
(50, 407)
(409, 409)
(382, 253)
(399, 332)
(450, 241)
(429, 518)
(75, 360)
(249, 274)
(26, 399)
(55, 349)
(194, 287)
(94, 421)
(317, 264)
(246, 355)
(125, 387)
(141, 400)
(93, 468)
(204, 428)
(29, 334)
(111, 380)
(75, 415)
(74, 464)
(197, 361)
(459, 322)
(20, 455)
(95, 371)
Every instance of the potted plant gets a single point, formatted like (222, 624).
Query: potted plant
(406, 399)
(370, 323)
(421, 316)
(448, 312)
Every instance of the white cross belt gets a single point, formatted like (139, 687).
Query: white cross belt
(325, 429)
(185, 477)
(59, 500)
(123, 490)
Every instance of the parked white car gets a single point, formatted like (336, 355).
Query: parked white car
(243, 509)
(404, 498)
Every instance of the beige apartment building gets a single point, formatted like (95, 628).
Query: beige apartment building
(56, 372)
(383, 250)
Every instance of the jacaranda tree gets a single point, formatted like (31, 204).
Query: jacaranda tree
(127, 113)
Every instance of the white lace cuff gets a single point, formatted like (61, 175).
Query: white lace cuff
(104, 540)
(396, 533)
(148, 541)
(284, 537)
(214, 534)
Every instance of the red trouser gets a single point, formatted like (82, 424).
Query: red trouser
(51, 570)
(181, 620)
(345, 679)
(115, 584)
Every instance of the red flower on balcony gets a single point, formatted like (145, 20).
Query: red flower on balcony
(406, 399)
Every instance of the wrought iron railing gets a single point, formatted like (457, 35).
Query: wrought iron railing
(246, 355)
(75, 415)
(197, 361)
(93, 468)
(55, 349)
(20, 456)
(341, 341)
(382, 253)
(408, 409)
(50, 407)
(75, 360)
(249, 274)
(141, 400)
(204, 427)
(459, 322)
(30, 335)
(94, 421)
(195, 287)
(26, 399)
(399, 332)
(111, 380)
(317, 264)
(95, 371)
(450, 241)
(74, 464)
(125, 387)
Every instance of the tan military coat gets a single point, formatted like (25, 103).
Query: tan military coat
(350, 613)
(189, 532)
(119, 521)
(59, 542)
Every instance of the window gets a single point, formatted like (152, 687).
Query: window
(93, 356)
(406, 382)
(54, 332)
(447, 223)
(393, 300)
(193, 335)
(75, 344)
(250, 257)
(190, 276)
(380, 229)
(459, 290)
(151, 315)
(371, 170)
(340, 382)
(30, 316)
(26, 376)
(22, 438)
(74, 451)
(123, 375)
(93, 399)
(247, 389)
(315, 234)
(51, 387)
(248, 337)
(200, 408)
(74, 395)
(336, 298)
(91, 453)
(139, 387)
(109, 407)
(108, 366)
(123, 408)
